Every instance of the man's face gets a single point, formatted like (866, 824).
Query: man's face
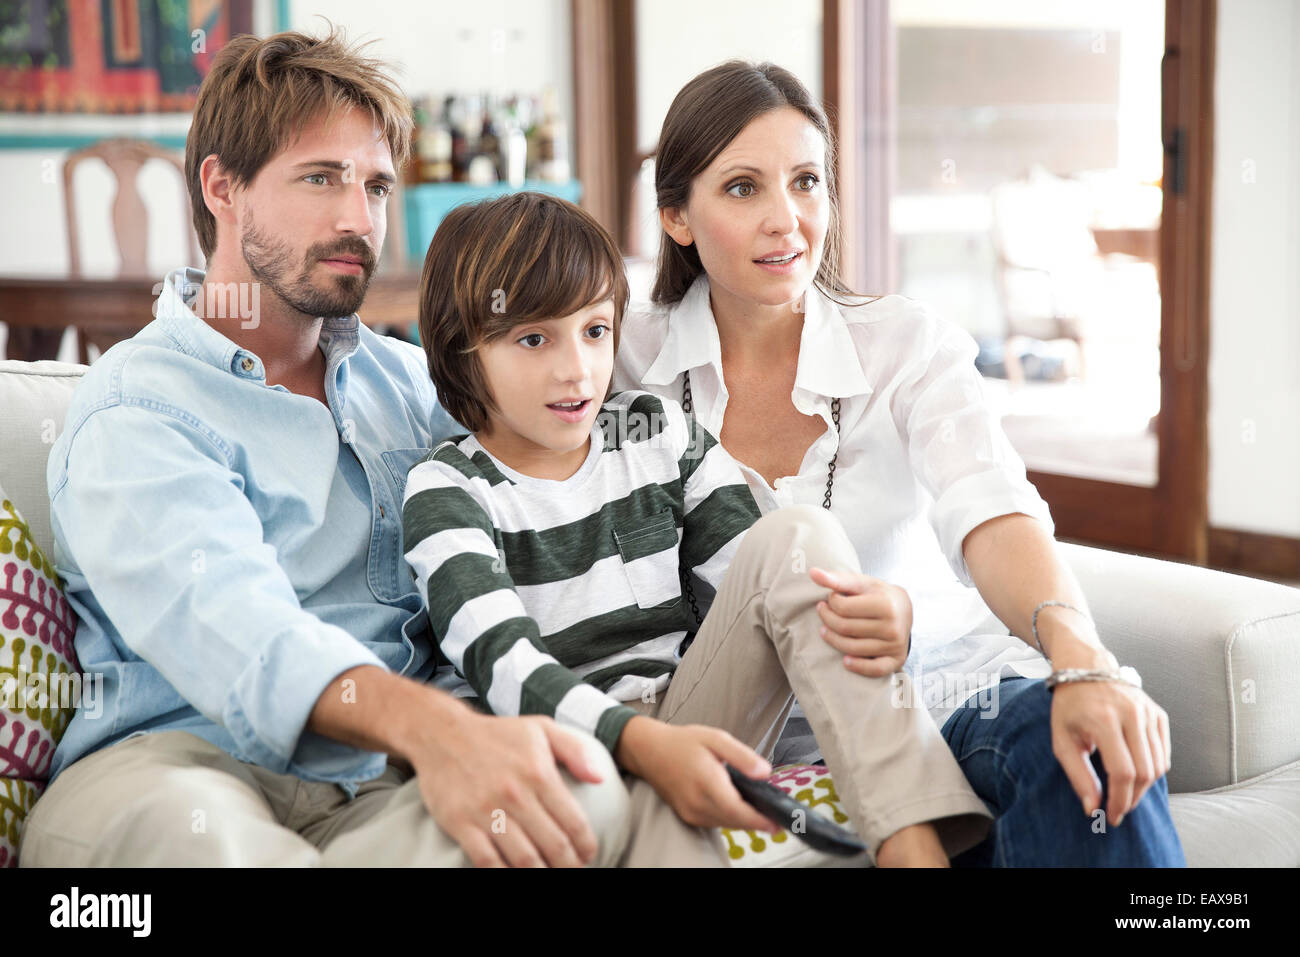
(313, 219)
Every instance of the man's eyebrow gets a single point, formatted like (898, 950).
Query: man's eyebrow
(340, 167)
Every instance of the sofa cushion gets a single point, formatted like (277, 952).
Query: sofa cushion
(1255, 823)
(40, 681)
(17, 796)
(35, 397)
(810, 785)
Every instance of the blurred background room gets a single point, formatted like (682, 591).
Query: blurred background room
(1101, 193)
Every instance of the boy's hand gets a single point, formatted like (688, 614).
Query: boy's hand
(868, 620)
(493, 784)
(684, 764)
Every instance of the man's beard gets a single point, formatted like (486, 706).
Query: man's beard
(272, 263)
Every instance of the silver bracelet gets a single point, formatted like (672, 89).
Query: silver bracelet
(1126, 674)
(1034, 623)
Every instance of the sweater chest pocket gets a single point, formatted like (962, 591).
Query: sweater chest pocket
(648, 548)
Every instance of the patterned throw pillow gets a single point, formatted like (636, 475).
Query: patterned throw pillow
(16, 799)
(40, 679)
(810, 785)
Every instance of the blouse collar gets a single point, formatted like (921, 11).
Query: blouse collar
(829, 364)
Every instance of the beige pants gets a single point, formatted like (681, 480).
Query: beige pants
(172, 799)
(758, 646)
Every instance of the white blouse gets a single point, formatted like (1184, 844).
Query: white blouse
(922, 461)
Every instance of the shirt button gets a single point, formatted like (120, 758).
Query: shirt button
(247, 364)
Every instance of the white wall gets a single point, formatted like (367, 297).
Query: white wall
(676, 39)
(442, 46)
(1254, 422)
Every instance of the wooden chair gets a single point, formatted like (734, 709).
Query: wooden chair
(124, 159)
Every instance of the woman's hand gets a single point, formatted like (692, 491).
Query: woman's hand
(684, 764)
(867, 619)
(1122, 722)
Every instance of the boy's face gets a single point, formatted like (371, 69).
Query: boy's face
(312, 221)
(535, 369)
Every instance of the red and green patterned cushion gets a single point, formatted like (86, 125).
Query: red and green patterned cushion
(16, 799)
(39, 675)
(810, 785)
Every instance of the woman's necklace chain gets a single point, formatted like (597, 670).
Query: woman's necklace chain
(835, 417)
(826, 502)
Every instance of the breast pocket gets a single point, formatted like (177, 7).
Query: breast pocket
(648, 548)
(399, 462)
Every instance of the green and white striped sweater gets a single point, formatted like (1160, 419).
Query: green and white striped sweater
(564, 598)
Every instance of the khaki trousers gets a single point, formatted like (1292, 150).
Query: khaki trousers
(170, 798)
(758, 648)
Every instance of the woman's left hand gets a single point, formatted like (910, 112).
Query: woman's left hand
(868, 620)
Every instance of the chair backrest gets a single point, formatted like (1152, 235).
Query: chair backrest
(124, 158)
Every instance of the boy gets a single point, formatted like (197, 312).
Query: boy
(548, 543)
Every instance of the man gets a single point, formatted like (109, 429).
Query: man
(226, 501)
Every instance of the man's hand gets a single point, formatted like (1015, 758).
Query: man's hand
(493, 784)
(684, 764)
(1130, 730)
(868, 620)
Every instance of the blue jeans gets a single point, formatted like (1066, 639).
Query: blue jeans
(1008, 760)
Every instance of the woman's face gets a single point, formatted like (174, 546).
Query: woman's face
(762, 200)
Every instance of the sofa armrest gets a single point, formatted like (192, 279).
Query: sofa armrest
(1219, 652)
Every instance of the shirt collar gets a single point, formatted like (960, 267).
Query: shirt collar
(692, 339)
(339, 338)
(829, 364)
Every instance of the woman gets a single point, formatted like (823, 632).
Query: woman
(874, 409)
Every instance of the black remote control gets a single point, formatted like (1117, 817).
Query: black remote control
(813, 829)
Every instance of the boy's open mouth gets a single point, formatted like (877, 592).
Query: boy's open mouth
(572, 411)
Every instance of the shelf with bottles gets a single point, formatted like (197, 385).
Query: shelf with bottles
(485, 138)
(427, 204)
(469, 147)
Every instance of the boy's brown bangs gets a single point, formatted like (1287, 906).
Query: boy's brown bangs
(559, 269)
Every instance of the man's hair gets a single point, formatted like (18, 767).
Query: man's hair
(259, 95)
(497, 264)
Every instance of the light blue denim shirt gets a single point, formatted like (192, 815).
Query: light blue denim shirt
(232, 547)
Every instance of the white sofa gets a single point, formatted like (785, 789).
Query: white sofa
(1221, 653)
